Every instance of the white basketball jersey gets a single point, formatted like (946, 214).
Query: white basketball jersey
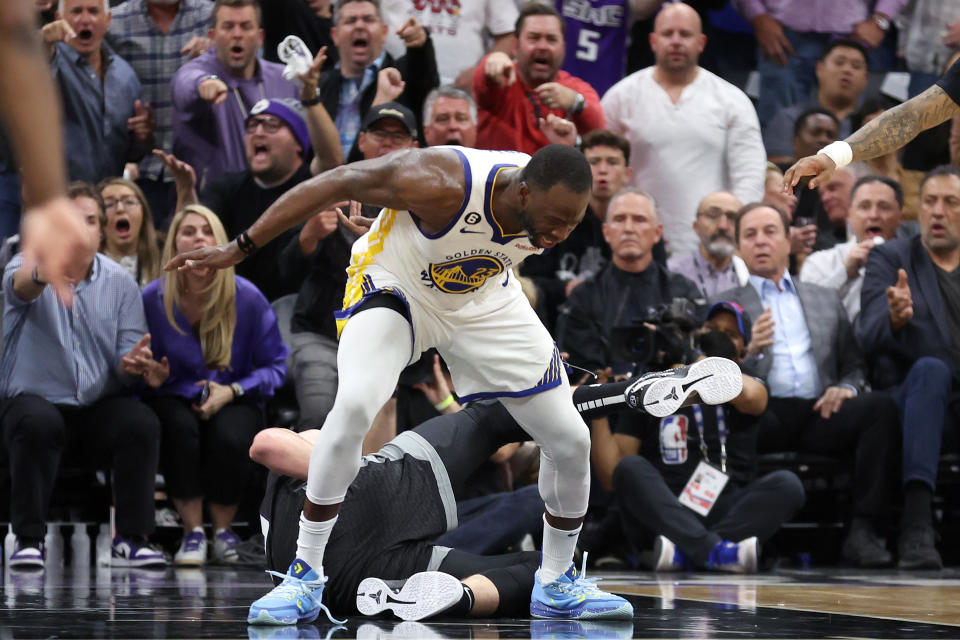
(466, 261)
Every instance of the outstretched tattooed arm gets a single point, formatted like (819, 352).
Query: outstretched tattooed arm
(897, 126)
(886, 133)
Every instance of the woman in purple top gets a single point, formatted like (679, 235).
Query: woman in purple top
(217, 355)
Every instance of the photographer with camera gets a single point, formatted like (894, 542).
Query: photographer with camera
(688, 478)
(607, 322)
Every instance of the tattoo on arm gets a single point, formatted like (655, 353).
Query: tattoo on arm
(897, 126)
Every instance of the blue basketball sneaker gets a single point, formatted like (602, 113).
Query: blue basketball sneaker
(296, 599)
(735, 557)
(573, 596)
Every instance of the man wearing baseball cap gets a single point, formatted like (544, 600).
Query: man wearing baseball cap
(656, 457)
(276, 143)
(732, 320)
(387, 127)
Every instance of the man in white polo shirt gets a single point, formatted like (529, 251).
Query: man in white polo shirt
(691, 133)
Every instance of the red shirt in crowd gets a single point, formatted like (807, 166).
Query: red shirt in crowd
(508, 114)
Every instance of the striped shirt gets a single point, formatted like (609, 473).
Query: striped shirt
(155, 57)
(70, 356)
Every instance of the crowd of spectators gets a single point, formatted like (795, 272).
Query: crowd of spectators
(183, 125)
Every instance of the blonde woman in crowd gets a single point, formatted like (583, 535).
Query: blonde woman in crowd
(217, 355)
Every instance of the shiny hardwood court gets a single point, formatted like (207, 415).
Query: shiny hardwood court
(212, 603)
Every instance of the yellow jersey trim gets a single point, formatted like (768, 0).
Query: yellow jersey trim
(358, 284)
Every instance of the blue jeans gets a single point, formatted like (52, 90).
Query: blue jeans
(490, 524)
(9, 202)
(922, 399)
(785, 86)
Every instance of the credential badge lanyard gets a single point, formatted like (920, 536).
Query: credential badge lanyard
(721, 434)
(243, 107)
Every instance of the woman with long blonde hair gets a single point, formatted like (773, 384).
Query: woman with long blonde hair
(129, 237)
(217, 355)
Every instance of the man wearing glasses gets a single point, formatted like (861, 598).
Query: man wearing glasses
(712, 266)
(276, 141)
(387, 127)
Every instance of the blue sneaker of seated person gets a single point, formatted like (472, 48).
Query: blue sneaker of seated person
(573, 596)
(296, 599)
(735, 557)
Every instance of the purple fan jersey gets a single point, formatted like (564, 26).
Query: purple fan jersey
(596, 37)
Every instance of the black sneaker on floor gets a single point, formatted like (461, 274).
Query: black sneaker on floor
(865, 549)
(917, 548)
(708, 381)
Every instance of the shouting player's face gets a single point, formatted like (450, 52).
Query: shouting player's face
(548, 217)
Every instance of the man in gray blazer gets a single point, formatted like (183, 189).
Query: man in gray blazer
(803, 347)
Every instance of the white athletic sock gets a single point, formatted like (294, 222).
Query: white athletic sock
(557, 553)
(313, 540)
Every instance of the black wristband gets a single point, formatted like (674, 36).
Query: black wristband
(246, 244)
(312, 101)
(35, 277)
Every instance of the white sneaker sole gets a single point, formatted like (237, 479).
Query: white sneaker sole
(714, 380)
(26, 563)
(152, 563)
(423, 595)
(187, 561)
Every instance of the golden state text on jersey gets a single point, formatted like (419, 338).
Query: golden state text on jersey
(471, 258)
(466, 273)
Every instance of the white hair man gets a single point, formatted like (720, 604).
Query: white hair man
(450, 117)
(107, 125)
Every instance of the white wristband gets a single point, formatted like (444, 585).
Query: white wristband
(839, 151)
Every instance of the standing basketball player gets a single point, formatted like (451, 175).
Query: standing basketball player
(436, 269)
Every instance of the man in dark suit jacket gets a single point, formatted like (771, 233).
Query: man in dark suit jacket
(910, 330)
(623, 291)
(349, 90)
(803, 347)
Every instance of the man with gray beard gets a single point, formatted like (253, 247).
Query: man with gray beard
(712, 265)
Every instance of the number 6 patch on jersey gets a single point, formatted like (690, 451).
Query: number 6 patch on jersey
(673, 439)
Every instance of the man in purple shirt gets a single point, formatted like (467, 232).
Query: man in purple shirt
(792, 35)
(213, 94)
